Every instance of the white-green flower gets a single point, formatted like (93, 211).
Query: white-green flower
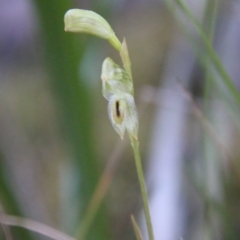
(114, 79)
(117, 88)
(123, 114)
(85, 21)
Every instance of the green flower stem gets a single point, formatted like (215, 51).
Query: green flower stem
(115, 43)
(135, 146)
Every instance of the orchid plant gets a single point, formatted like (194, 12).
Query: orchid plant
(117, 87)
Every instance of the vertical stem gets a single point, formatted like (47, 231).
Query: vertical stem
(135, 146)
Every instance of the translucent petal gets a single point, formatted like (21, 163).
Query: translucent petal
(131, 118)
(114, 79)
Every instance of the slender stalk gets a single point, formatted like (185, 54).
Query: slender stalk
(135, 146)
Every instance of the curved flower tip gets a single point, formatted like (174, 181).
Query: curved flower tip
(85, 21)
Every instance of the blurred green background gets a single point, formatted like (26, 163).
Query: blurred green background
(56, 138)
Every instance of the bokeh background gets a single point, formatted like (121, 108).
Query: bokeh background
(57, 145)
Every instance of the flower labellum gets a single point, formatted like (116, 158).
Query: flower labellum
(85, 21)
(123, 114)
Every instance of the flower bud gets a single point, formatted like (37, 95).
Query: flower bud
(114, 79)
(123, 114)
(78, 20)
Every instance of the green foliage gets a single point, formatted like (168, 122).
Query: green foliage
(63, 57)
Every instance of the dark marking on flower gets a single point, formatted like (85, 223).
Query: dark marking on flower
(117, 109)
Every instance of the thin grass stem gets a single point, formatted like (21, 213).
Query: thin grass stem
(136, 229)
(210, 23)
(100, 191)
(211, 52)
(33, 226)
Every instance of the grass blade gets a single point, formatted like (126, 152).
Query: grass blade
(136, 229)
(211, 53)
(33, 226)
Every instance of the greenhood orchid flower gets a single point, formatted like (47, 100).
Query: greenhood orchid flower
(117, 88)
(117, 85)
